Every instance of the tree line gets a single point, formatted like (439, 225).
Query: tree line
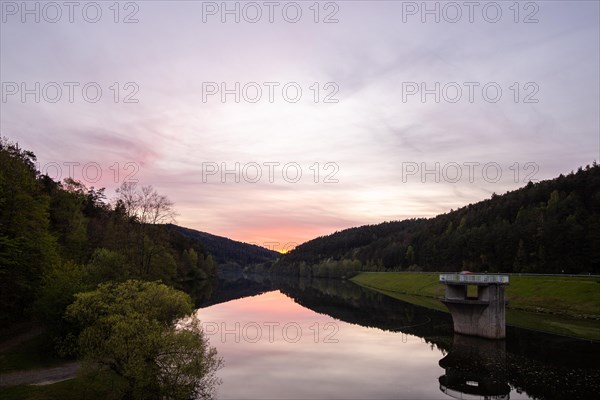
(551, 226)
(228, 253)
(83, 265)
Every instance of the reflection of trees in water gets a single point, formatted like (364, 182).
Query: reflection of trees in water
(229, 287)
(351, 303)
(201, 291)
(552, 367)
(481, 368)
(475, 367)
(542, 365)
(541, 380)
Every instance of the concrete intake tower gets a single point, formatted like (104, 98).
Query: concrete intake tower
(483, 315)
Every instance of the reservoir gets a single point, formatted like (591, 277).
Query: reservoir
(331, 339)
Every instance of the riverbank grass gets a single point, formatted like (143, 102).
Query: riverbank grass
(104, 385)
(555, 304)
(36, 352)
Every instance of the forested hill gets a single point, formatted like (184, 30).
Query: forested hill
(548, 227)
(62, 238)
(227, 251)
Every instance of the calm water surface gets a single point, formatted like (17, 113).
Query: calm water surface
(335, 340)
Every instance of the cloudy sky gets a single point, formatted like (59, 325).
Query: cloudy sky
(282, 121)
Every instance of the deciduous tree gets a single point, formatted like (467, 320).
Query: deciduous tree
(130, 328)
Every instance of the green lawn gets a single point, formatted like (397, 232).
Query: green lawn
(562, 305)
(573, 296)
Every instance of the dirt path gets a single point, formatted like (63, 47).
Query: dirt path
(39, 376)
(43, 376)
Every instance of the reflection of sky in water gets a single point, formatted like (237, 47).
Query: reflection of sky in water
(365, 363)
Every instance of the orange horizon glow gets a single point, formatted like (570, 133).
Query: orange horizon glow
(374, 153)
(280, 236)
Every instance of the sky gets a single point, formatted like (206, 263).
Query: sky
(277, 122)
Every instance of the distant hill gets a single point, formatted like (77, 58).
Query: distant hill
(551, 226)
(225, 251)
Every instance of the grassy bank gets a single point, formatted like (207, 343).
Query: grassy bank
(35, 352)
(105, 385)
(562, 305)
(30, 348)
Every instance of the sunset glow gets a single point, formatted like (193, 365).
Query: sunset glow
(310, 199)
(356, 153)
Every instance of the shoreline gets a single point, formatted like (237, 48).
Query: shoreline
(418, 289)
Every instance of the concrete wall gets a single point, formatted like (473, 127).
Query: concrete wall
(456, 292)
(484, 317)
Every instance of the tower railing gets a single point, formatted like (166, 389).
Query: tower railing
(473, 278)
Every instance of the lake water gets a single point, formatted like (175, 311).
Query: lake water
(336, 340)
